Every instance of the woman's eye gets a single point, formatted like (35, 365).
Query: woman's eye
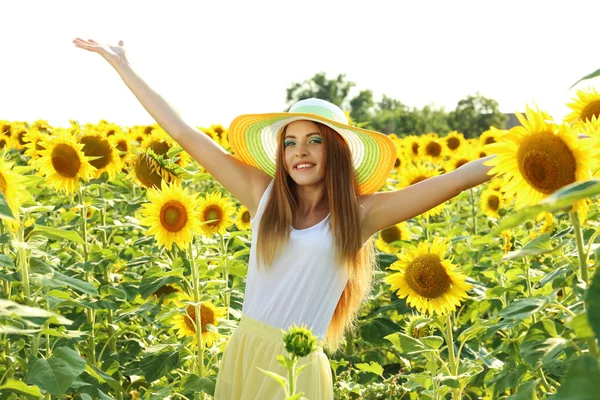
(286, 144)
(317, 140)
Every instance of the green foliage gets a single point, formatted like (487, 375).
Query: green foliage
(475, 114)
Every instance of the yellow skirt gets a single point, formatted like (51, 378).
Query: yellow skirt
(256, 344)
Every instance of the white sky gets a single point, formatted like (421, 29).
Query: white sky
(215, 59)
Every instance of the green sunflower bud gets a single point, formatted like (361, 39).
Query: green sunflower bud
(528, 225)
(502, 212)
(299, 340)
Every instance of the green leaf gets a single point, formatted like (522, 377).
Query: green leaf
(408, 345)
(560, 199)
(526, 391)
(582, 381)
(195, 384)
(55, 374)
(9, 308)
(523, 308)
(542, 344)
(6, 262)
(539, 245)
(592, 298)
(372, 367)
(56, 233)
(376, 329)
(588, 76)
(5, 212)
(156, 366)
(155, 278)
(282, 381)
(21, 387)
(581, 326)
(59, 280)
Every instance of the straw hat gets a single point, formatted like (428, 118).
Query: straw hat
(253, 138)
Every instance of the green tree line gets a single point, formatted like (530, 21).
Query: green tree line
(472, 115)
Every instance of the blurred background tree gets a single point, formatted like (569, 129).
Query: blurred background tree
(472, 115)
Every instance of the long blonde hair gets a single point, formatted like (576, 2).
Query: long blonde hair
(344, 203)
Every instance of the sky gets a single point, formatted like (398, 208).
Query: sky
(214, 60)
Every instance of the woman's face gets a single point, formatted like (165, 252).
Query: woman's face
(304, 152)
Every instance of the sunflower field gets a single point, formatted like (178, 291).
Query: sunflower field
(123, 265)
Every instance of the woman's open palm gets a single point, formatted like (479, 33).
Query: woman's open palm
(113, 54)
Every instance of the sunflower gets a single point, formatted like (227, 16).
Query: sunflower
(586, 107)
(413, 174)
(490, 136)
(400, 160)
(432, 147)
(490, 202)
(242, 220)
(215, 214)
(389, 235)
(150, 172)
(122, 143)
(171, 215)
(32, 142)
(95, 144)
(5, 141)
(508, 239)
(13, 188)
(165, 294)
(159, 141)
(63, 162)
(454, 141)
(185, 323)
(539, 158)
(430, 282)
(418, 326)
(19, 132)
(548, 223)
(412, 144)
(460, 157)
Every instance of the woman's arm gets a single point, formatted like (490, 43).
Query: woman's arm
(383, 209)
(243, 181)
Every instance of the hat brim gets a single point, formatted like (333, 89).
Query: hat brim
(253, 138)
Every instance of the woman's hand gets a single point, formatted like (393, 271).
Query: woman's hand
(115, 55)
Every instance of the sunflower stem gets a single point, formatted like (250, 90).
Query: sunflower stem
(198, 311)
(24, 264)
(473, 211)
(89, 275)
(223, 257)
(583, 265)
(451, 357)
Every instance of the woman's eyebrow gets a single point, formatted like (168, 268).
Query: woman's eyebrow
(307, 135)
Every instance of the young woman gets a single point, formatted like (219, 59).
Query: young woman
(309, 181)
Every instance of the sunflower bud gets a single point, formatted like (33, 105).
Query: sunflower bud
(502, 212)
(299, 341)
(528, 225)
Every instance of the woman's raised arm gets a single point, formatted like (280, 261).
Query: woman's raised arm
(243, 181)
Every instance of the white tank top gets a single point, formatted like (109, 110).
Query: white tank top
(304, 283)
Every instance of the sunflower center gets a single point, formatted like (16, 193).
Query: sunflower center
(418, 179)
(97, 147)
(591, 110)
(2, 143)
(493, 202)
(461, 162)
(147, 171)
(160, 148)
(453, 143)
(246, 217)
(546, 162)
(490, 140)
(427, 276)
(3, 184)
(122, 146)
(20, 137)
(65, 160)
(173, 216)
(206, 315)
(397, 163)
(433, 149)
(214, 214)
(391, 234)
(148, 130)
(415, 148)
